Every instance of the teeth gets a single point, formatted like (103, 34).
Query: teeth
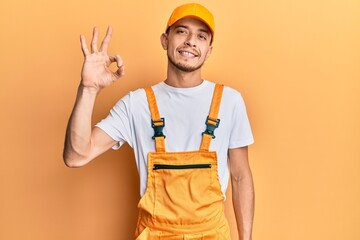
(187, 53)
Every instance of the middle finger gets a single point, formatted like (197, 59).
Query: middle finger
(94, 40)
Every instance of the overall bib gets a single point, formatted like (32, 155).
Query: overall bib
(183, 198)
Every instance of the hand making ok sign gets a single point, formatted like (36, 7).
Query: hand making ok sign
(96, 73)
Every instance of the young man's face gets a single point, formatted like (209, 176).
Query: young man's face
(188, 44)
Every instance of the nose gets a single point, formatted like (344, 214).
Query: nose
(191, 40)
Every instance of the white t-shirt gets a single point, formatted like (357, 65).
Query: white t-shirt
(185, 111)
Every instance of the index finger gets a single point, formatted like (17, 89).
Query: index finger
(106, 41)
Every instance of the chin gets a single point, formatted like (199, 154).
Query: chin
(185, 67)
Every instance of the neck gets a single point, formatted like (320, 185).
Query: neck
(180, 79)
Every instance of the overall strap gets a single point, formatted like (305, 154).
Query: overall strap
(212, 121)
(157, 123)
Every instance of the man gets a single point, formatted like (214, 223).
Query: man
(183, 164)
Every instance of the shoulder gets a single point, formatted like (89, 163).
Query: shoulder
(138, 96)
(130, 101)
(232, 93)
(134, 95)
(227, 89)
(232, 96)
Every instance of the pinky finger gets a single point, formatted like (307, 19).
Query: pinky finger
(84, 48)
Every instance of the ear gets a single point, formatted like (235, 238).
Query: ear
(208, 52)
(164, 41)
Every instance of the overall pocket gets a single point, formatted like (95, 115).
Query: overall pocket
(182, 193)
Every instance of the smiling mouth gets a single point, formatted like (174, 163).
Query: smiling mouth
(187, 53)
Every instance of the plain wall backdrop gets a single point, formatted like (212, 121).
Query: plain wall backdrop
(296, 63)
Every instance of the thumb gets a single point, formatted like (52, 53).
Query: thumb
(121, 71)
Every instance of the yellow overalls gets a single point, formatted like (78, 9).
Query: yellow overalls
(183, 198)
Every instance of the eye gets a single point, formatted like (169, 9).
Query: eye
(203, 37)
(180, 31)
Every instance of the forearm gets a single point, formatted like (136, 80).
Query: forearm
(243, 203)
(78, 132)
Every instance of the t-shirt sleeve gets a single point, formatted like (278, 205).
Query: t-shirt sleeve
(117, 123)
(241, 134)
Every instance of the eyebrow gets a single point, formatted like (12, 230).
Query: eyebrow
(186, 27)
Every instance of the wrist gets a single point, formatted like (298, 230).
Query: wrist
(88, 90)
(243, 236)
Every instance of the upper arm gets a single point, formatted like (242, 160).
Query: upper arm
(100, 142)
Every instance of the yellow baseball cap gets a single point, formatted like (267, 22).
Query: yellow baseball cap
(194, 10)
